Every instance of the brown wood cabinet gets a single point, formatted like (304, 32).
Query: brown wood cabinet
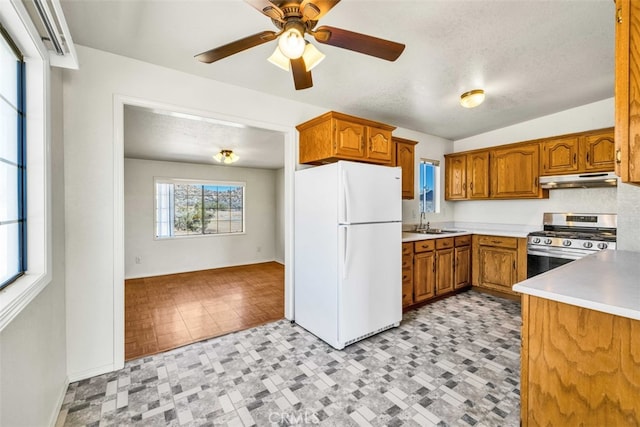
(579, 366)
(462, 262)
(444, 265)
(467, 175)
(405, 158)
(424, 279)
(578, 153)
(627, 91)
(559, 155)
(407, 274)
(439, 266)
(335, 136)
(499, 262)
(515, 172)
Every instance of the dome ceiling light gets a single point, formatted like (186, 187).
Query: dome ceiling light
(472, 99)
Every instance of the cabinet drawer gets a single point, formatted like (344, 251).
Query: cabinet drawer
(407, 276)
(424, 245)
(407, 261)
(463, 240)
(407, 248)
(407, 294)
(500, 241)
(444, 243)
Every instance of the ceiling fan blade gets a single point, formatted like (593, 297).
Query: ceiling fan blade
(357, 42)
(267, 8)
(313, 10)
(301, 77)
(235, 47)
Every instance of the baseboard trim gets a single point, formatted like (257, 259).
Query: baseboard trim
(54, 420)
(144, 276)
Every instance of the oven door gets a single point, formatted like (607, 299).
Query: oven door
(540, 260)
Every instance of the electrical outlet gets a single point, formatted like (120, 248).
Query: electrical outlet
(259, 249)
(414, 215)
(138, 260)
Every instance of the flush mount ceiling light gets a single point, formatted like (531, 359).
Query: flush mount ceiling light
(471, 99)
(226, 156)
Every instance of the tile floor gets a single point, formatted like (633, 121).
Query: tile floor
(166, 312)
(454, 362)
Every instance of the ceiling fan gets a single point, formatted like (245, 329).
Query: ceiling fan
(294, 19)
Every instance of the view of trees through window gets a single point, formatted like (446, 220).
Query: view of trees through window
(190, 209)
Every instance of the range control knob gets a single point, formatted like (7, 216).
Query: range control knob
(587, 245)
(547, 241)
(566, 243)
(602, 246)
(536, 240)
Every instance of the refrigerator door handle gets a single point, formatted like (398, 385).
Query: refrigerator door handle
(345, 259)
(347, 197)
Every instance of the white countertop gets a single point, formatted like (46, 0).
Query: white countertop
(413, 237)
(607, 281)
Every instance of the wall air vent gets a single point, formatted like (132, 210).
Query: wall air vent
(48, 18)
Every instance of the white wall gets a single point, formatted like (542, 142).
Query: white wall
(529, 212)
(168, 256)
(433, 148)
(95, 308)
(629, 217)
(33, 346)
(279, 230)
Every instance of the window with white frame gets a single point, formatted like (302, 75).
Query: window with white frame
(429, 186)
(13, 262)
(192, 208)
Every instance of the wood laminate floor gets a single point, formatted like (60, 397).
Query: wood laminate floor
(166, 312)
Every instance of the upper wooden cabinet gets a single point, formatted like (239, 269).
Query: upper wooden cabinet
(578, 153)
(515, 172)
(456, 177)
(467, 175)
(627, 91)
(559, 155)
(405, 158)
(336, 136)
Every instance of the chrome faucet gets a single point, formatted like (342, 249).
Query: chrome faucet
(421, 225)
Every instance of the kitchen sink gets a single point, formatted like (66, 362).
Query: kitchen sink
(438, 231)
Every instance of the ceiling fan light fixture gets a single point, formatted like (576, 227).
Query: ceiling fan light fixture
(291, 42)
(472, 99)
(226, 157)
(278, 59)
(312, 56)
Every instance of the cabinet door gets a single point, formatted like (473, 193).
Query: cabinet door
(424, 276)
(455, 177)
(497, 267)
(560, 156)
(515, 171)
(349, 139)
(405, 158)
(627, 87)
(379, 145)
(462, 267)
(444, 271)
(478, 175)
(597, 152)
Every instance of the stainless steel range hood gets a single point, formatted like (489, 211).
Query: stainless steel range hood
(584, 180)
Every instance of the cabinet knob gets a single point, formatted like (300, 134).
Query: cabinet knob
(618, 156)
(619, 15)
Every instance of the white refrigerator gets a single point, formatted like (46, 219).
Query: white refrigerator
(348, 251)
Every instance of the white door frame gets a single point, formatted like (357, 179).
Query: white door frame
(119, 101)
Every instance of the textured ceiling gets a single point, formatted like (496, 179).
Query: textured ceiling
(165, 135)
(533, 57)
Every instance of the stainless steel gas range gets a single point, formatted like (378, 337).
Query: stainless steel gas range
(568, 236)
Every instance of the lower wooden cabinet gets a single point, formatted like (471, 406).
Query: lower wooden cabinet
(438, 267)
(462, 262)
(578, 366)
(444, 265)
(499, 262)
